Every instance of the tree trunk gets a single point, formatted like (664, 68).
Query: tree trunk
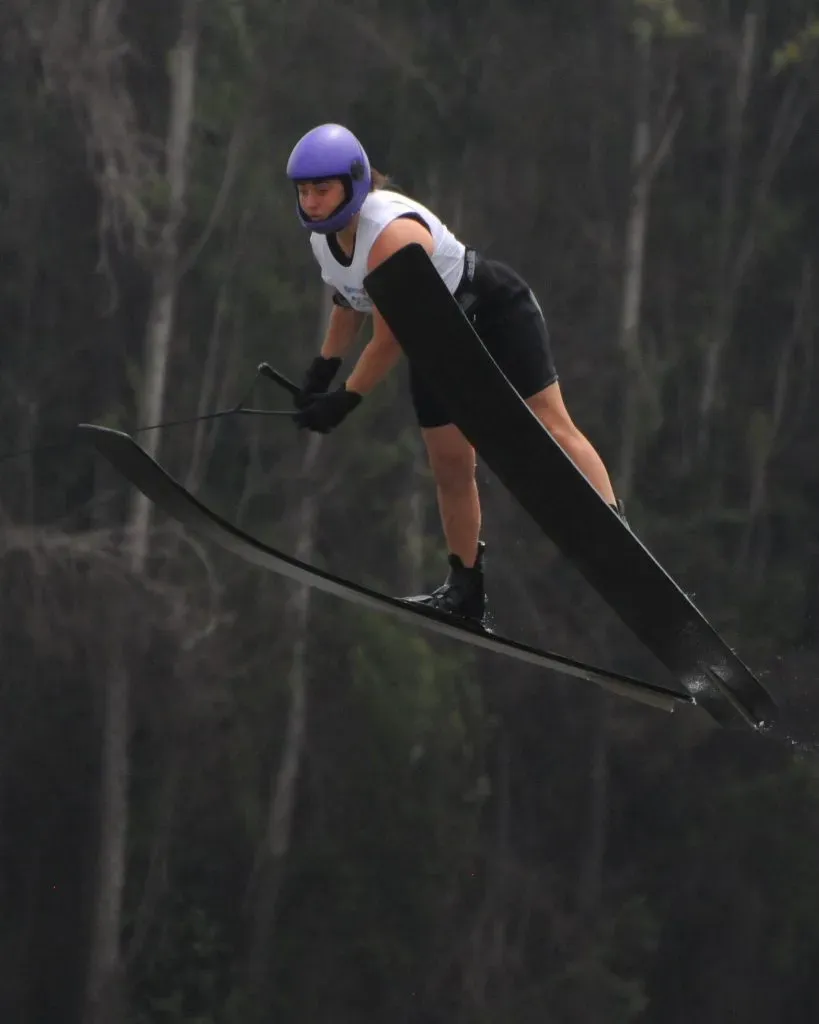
(269, 871)
(633, 262)
(766, 438)
(725, 293)
(160, 324)
(271, 858)
(103, 987)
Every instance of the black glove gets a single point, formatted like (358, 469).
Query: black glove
(318, 378)
(326, 411)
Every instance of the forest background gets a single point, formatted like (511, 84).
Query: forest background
(224, 798)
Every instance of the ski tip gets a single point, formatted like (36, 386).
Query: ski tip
(92, 431)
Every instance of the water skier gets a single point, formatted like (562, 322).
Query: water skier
(356, 222)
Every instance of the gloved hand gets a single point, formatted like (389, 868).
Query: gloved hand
(326, 411)
(318, 378)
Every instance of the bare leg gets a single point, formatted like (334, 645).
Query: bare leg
(550, 409)
(452, 459)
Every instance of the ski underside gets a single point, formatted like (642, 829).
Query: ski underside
(443, 346)
(133, 463)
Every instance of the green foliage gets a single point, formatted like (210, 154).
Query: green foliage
(798, 50)
(664, 19)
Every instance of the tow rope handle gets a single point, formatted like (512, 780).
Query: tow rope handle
(266, 370)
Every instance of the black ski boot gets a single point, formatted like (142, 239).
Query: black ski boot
(461, 595)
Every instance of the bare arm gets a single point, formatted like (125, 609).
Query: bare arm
(342, 328)
(382, 353)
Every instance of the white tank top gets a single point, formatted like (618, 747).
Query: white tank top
(380, 209)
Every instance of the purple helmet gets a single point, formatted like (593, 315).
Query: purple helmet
(331, 151)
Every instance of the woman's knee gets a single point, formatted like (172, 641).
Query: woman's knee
(451, 457)
(550, 409)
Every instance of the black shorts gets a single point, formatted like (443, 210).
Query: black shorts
(509, 321)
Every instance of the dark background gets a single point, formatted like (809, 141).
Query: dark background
(223, 799)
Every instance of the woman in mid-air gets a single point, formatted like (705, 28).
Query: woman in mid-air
(355, 223)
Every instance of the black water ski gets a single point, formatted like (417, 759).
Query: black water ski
(132, 462)
(434, 333)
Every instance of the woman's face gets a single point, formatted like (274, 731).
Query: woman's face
(319, 199)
